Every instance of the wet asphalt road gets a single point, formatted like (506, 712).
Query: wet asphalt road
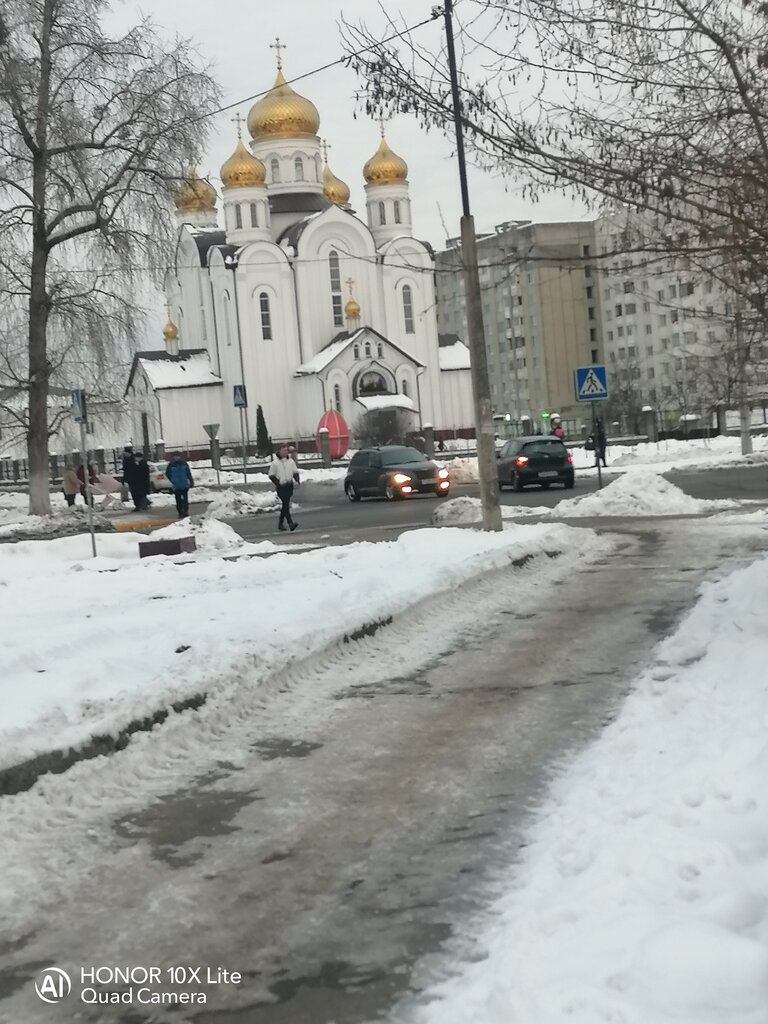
(345, 823)
(325, 513)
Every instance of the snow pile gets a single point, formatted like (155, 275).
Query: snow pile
(462, 471)
(465, 510)
(211, 536)
(231, 504)
(209, 623)
(642, 893)
(641, 492)
(64, 555)
(60, 523)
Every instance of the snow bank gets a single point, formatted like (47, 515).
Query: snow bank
(206, 622)
(231, 504)
(641, 896)
(465, 510)
(462, 471)
(641, 492)
(211, 536)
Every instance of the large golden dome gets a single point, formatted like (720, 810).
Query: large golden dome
(195, 194)
(282, 114)
(334, 188)
(242, 169)
(385, 167)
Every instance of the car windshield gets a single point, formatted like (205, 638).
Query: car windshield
(545, 447)
(402, 456)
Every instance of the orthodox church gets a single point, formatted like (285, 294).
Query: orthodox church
(307, 305)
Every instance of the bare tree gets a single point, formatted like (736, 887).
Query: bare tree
(93, 130)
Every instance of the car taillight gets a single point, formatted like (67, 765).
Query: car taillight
(570, 458)
(521, 460)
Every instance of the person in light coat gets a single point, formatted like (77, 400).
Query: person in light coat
(70, 484)
(284, 474)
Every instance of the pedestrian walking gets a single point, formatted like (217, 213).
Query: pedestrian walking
(284, 474)
(557, 428)
(70, 484)
(179, 476)
(85, 493)
(136, 475)
(601, 443)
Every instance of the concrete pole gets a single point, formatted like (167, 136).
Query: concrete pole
(325, 446)
(429, 440)
(481, 389)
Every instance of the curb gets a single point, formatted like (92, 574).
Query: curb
(126, 526)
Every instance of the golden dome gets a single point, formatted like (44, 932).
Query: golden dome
(195, 194)
(385, 167)
(352, 309)
(170, 331)
(242, 169)
(282, 114)
(334, 188)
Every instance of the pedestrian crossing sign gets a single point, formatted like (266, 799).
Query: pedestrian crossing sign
(591, 383)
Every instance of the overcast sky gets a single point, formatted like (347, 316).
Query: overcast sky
(235, 38)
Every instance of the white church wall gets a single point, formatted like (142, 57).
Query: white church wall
(456, 386)
(183, 413)
(309, 407)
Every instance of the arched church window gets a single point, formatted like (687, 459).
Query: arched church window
(380, 350)
(337, 397)
(298, 168)
(397, 212)
(382, 213)
(336, 297)
(408, 309)
(356, 351)
(266, 317)
(227, 321)
(254, 215)
(238, 216)
(274, 166)
(404, 387)
(367, 350)
(372, 383)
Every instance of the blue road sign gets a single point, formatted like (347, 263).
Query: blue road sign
(240, 396)
(591, 383)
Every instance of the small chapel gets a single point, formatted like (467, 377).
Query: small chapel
(290, 301)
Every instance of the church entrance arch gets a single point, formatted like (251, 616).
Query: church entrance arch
(373, 381)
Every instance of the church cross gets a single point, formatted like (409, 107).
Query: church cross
(238, 119)
(326, 146)
(350, 282)
(382, 121)
(278, 47)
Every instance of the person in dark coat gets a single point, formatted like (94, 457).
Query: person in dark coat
(601, 443)
(136, 475)
(180, 478)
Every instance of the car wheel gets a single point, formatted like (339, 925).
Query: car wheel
(569, 484)
(517, 483)
(352, 492)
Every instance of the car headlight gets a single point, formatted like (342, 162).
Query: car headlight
(443, 474)
(400, 478)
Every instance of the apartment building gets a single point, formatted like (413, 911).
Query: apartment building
(541, 312)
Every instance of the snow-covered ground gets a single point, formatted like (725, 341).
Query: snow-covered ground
(91, 644)
(642, 893)
(641, 492)
(207, 477)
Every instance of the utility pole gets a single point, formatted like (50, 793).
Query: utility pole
(745, 412)
(486, 448)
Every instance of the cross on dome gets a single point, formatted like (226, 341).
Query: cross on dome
(381, 122)
(277, 46)
(350, 281)
(326, 146)
(239, 120)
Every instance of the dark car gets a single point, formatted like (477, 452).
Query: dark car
(535, 460)
(393, 471)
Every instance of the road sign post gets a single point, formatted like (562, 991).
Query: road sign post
(591, 383)
(240, 397)
(80, 415)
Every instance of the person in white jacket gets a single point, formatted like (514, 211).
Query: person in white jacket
(284, 474)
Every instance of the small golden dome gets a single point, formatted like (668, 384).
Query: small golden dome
(170, 331)
(334, 188)
(385, 167)
(352, 309)
(195, 194)
(282, 114)
(242, 169)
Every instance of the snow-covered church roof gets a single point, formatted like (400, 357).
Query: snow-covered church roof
(453, 354)
(343, 340)
(191, 368)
